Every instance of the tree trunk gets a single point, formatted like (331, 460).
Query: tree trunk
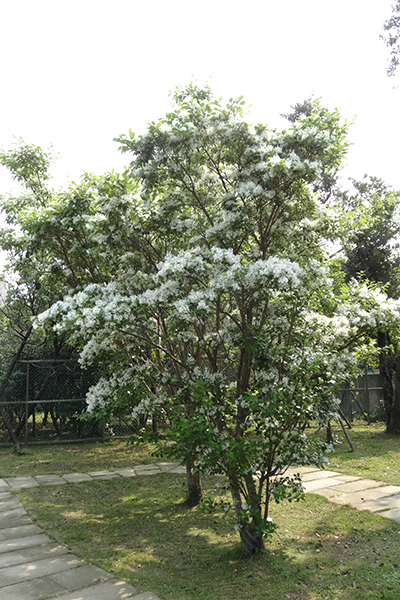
(195, 491)
(251, 542)
(386, 378)
(394, 424)
(4, 386)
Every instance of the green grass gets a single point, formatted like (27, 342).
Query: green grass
(141, 530)
(70, 458)
(376, 455)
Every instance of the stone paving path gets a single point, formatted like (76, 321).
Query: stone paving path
(33, 567)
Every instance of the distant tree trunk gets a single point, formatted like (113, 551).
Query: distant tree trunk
(195, 491)
(386, 378)
(4, 386)
(394, 424)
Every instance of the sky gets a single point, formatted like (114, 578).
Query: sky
(76, 74)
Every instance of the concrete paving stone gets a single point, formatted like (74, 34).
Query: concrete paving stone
(20, 521)
(77, 477)
(17, 483)
(12, 517)
(79, 578)
(126, 472)
(43, 551)
(20, 531)
(9, 559)
(348, 478)
(113, 589)
(391, 514)
(4, 487)
(382, 503)
(23, 542)
(178, 470)
(14, 502)
(36, 589)
(167, 466)
(358, 499)
(141, 468)
(311, 476)
(319, 484)
(6, 495)
(302, 470)
(2, 536)
(328, 492)
(102, 474)
(38, 568)
(50, 479)
(357, 486)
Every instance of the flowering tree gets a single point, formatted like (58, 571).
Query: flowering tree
(223, 316)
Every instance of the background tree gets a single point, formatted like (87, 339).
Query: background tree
(391, 37)
(372, 253)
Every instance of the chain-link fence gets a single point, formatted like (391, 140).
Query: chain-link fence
(45, 403)
(362, 397)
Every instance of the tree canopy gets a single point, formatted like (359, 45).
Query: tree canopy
(215, 307)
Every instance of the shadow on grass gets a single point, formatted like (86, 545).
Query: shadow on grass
(141, 530)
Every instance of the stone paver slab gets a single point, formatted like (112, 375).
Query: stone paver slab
(21, 531)
(39, 568)
(50, 479)
(382, 503)
(105, 474)
(177, 470)
(319, 484)
(77, 477)
(17, 483)
(11, 515)
(328, 492)
(165, 466)
(141, 468)
(113, 589)
(312, 476)
(23, 542)
(146, 596)
(9, 504)
(35, 589)
(357, 486)
(391, 514)
(126, 472)
(19, 521)
(2, 536)
(347, 478)
(358, 499)
(303, 470)
(81, 577)
(9, 559)
(6, 495)
(4, 487)
(43, 551)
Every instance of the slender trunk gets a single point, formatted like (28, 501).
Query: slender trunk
(4, 386)
(195, 491)
(252, 541)
(394, 425)
(386, 378)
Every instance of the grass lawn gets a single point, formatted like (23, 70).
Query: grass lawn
(71, 458)
(376, 453)
(140, 529)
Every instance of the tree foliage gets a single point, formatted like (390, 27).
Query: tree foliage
(391, 37)
(209, 294)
